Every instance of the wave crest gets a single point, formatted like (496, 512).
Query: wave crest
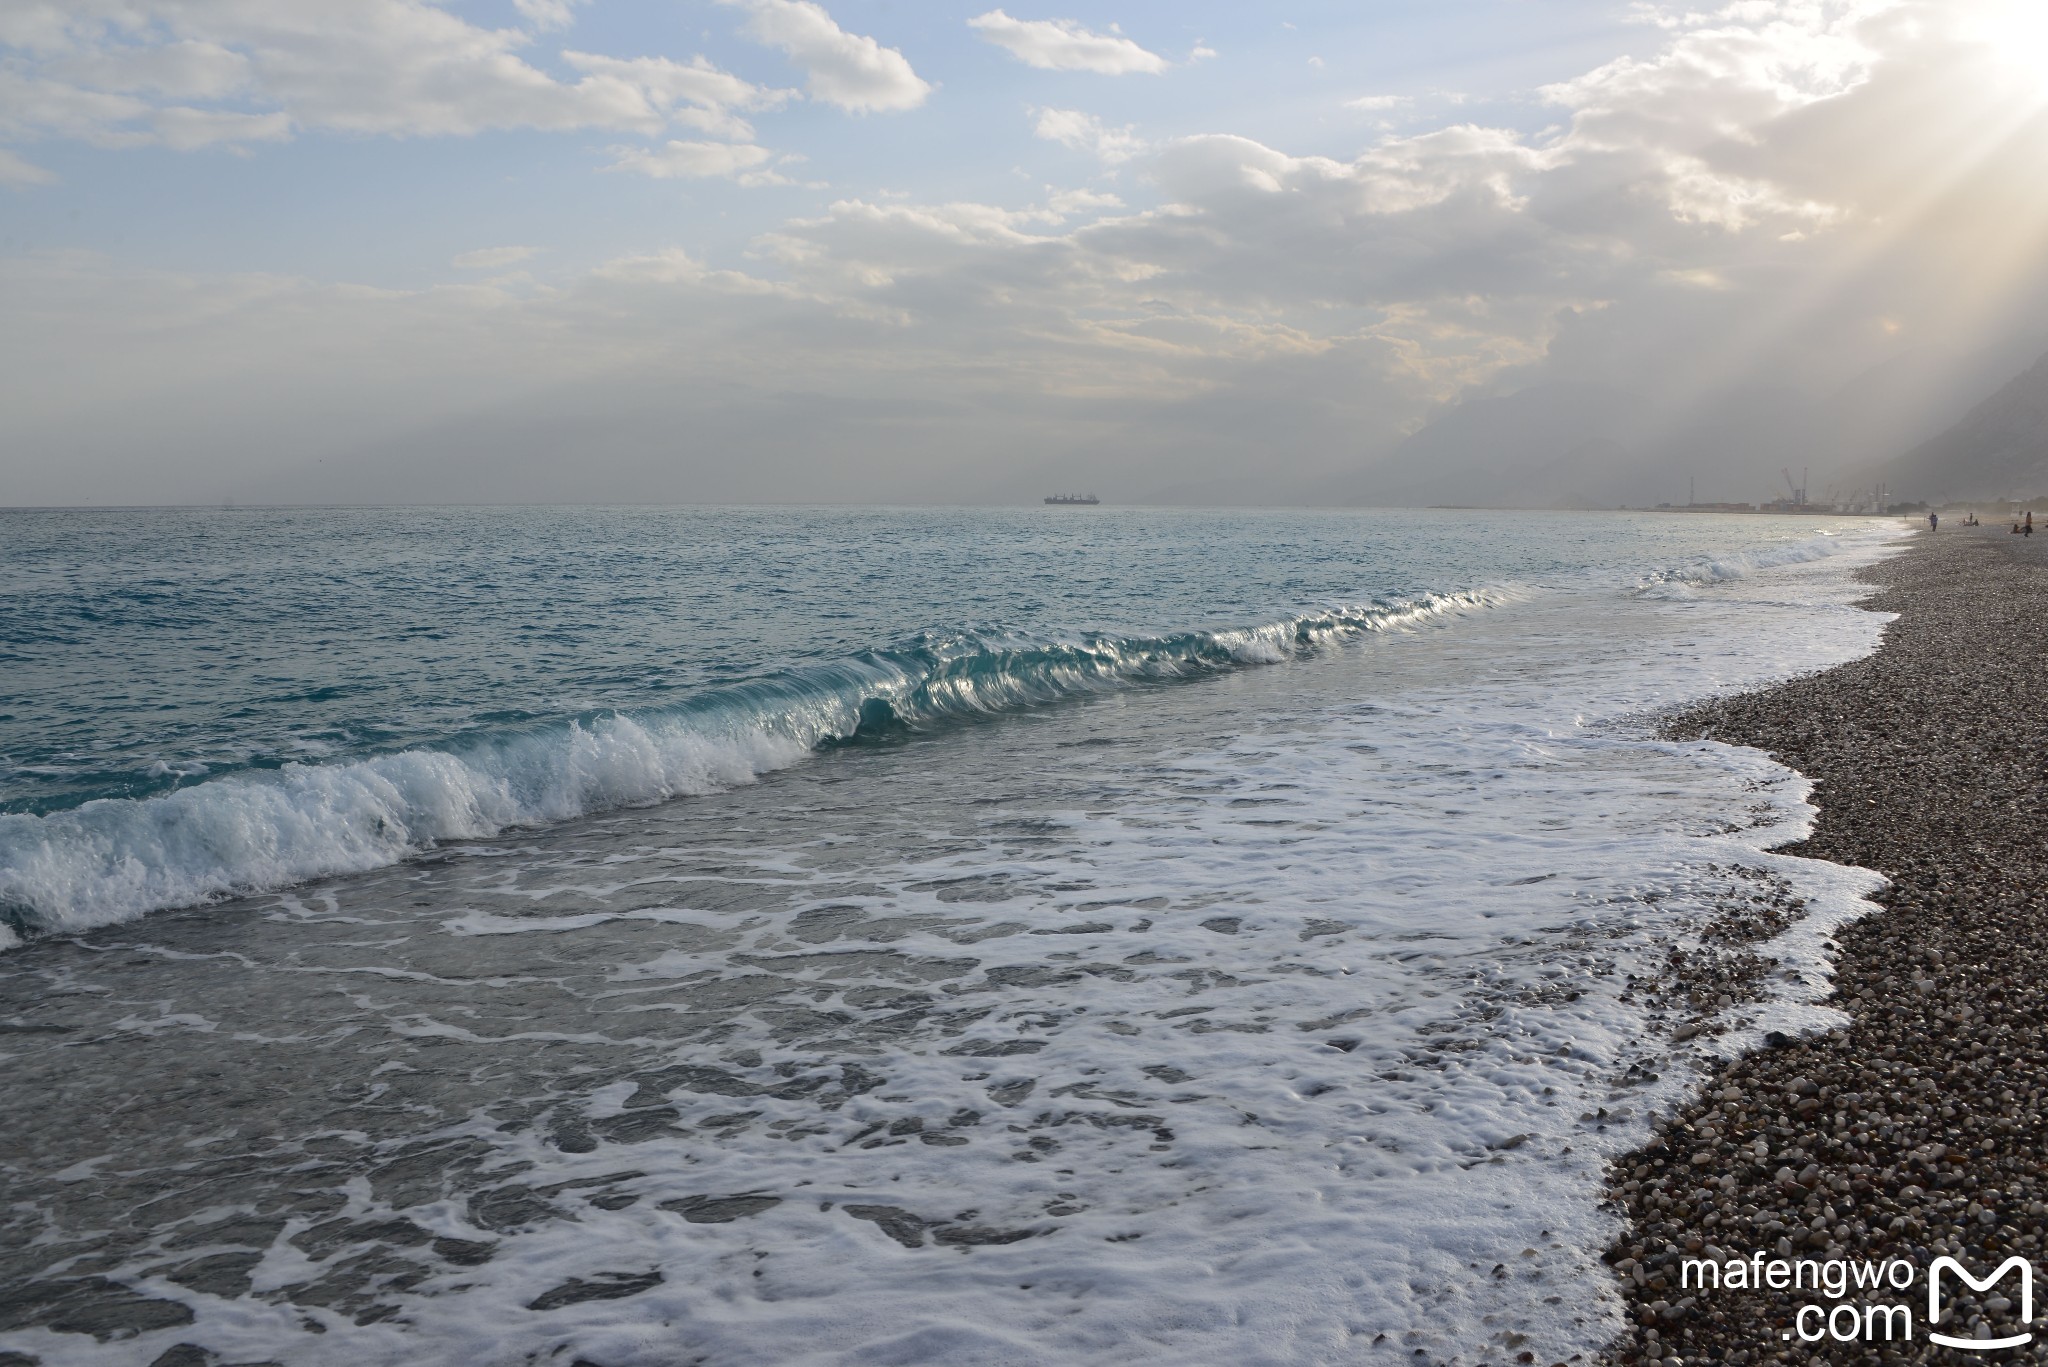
(1681, 580)
(115, 859)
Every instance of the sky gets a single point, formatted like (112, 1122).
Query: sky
(1579, 251)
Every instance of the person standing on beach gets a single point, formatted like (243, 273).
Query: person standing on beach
(1934, 522)
(2028, 529)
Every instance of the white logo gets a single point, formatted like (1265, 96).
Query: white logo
(1980, 1345)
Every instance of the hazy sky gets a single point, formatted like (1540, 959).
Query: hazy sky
(385, 250)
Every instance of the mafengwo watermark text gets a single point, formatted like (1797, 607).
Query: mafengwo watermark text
(1865, 1301)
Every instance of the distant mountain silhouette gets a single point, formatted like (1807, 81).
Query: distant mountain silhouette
(1591, 446)
(1578, 445)
(1549, 445)
(1998, 450)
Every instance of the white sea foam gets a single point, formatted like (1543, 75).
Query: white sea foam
(1722, 569)
(1392, 1077)
(115, 859)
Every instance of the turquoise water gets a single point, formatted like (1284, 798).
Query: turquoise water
(769, 937)
(499, 667)
(148, 650)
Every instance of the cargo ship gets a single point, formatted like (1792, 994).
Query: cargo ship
(1085, 500)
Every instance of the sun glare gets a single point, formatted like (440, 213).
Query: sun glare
(2017, 31)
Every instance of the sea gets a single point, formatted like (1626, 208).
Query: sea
(625, 937)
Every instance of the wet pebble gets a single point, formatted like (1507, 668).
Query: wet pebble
(1918, 1129)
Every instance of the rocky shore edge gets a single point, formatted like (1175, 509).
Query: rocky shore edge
(1917, 1130)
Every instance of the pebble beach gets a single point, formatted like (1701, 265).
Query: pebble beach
(1916, 1130)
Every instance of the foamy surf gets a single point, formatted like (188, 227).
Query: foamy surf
(1289, 1019)
(111, 860)
(1722, 569)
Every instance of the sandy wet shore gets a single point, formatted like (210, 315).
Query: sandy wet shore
(1918, 1129)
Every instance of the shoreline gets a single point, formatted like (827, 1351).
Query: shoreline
(1915, 1129)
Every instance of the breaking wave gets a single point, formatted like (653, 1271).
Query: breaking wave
(115, 859)
(1679, 580)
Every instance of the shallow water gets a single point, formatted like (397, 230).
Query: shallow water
(1220, 1013)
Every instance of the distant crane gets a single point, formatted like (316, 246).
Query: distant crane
(1798, 490)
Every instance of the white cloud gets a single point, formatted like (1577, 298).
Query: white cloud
(182, 69)
(193, 73)
(671, 267)
(1372, 104)
(1067, 203)
(1086, 133)
(847, 69)
(1738, 207)
(491, 258)
(184, 130)
(1063, 45)
(695, 93)
(694, 159)
(1697, 193)
(546, 14)
(14, 170)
